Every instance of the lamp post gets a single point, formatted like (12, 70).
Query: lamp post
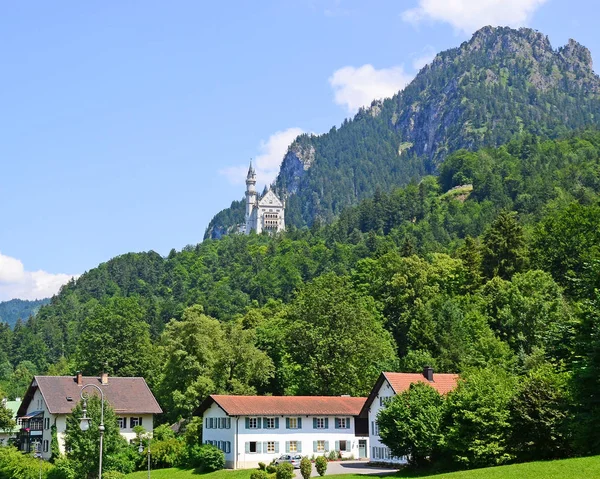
(38, 453)
(84, 423)
(141, 450)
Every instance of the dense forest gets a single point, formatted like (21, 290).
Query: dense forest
(491, 269)
(503, 82)
(11, 311)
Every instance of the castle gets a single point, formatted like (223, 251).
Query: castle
(264, 214)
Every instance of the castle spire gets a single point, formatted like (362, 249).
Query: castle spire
(251, 172)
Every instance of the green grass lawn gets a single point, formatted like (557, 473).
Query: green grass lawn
(581, 468)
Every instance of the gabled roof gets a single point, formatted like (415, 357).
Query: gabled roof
(442, 383)
(125, 395)
(285, 405)
(270, 199)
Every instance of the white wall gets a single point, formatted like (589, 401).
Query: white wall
(379, 452)
(281, 436)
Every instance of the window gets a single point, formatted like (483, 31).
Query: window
(253, 424)
(47, 423)
(293, 446)
(342, 423)
(253, 446)
(375, 428)
(343, 446)
(320, 423)
(45, 445)
(135, 421)
(292, 423)
(271, 423)
(320, 446)
(122, 422)
(384, 400)
(271, 446)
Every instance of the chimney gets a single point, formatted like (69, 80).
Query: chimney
(428, 373)
(104, 376)
(79, 378)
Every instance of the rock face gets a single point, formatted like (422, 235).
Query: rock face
(501, 83)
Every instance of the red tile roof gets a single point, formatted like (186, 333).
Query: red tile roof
(125, 395)
(442, 383)
(287, 405)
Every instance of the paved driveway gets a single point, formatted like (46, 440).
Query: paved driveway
(351, 467)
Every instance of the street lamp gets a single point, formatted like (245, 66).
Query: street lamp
(84, 423)
(141, 450)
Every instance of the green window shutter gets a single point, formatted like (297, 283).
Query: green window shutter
(299, 446)
(327, 445)
(337, 445)
(259, 422)
(258, 449)
(287, 422)
(247, 424)
(247, 447)
(348, 423)
(228, 423)
(287, 446)
(314, 423)
(326, 423)
(299, 423)
(276, 447)
(276, 423)
(337, 422)
(314, 446)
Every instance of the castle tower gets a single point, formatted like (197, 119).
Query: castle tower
(251, 199)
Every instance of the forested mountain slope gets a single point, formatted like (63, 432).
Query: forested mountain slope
(11, 311)
(501, 83)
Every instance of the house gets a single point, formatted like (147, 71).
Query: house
(253, 429)
(387, 386)
(5, 435)
(50, 399)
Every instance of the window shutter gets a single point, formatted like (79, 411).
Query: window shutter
(276, 423)
(299, 446)
(337, 445)
(247, 444)
(287, 446)
(228, 423)
(259, 422)
(337, 422)
(299, 423)
(314, 423)
(348, 422)
(264, 447)
(373, 427)
(327, 445)
(277, 447)
(247, 424)
(326, 423)
(140, 423)
(314, 446)
(287, 422)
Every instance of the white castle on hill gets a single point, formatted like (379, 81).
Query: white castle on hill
(266, 214)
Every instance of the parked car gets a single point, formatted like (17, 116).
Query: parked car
(293, 459)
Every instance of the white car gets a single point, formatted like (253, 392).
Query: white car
(293, 459)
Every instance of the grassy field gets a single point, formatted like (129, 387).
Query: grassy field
(581, 468)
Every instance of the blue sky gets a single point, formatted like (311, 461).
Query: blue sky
(126, 125)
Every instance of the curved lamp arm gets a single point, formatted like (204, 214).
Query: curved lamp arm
(85, 418)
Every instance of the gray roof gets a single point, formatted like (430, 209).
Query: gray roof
(125, 395)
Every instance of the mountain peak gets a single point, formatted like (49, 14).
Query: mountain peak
(576, 56)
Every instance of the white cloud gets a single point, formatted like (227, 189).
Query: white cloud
(16, 282)
(356, 87)
(268, 160)
(469, 15)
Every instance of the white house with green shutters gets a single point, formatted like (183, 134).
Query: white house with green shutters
(253, 429)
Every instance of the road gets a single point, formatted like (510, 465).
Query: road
(351, 467)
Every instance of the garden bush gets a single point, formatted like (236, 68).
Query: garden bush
(321, 465)
(113, 475)
(260, 474)
(305, 467)
(167, 453)
(333, 456)
(262, 466)
(285, 471)
(211, 458)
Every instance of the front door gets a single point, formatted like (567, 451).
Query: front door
(362, 448)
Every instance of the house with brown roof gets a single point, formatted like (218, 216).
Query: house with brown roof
(50, 399)
(253, 429)
(387, 386)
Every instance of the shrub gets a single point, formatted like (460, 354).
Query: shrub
(163, 432)
(113, 475)
(262, 466)
(260, 474)
(63, 469)
(271, 469)
(211, 458)
(305, 467)
(14, 464)
(321, 465)
(167, 453)
(285, 471)
(333, 456)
